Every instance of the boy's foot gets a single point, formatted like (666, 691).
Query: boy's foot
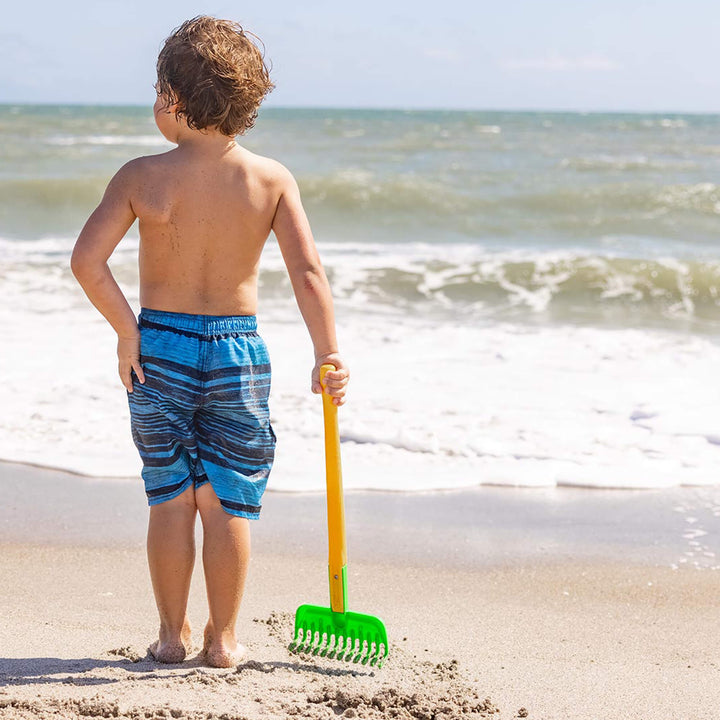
(173, 652)
(222, 653)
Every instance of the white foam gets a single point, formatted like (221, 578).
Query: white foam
(129, 140)
(432, 405)
(665, 123)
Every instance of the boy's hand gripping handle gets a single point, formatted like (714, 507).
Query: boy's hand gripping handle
(335, 504)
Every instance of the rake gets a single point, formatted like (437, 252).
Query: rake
(335, 632)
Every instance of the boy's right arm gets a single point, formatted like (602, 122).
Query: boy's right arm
(310, 285)
(102, 232)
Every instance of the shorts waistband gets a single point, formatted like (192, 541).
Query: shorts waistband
(200, 325)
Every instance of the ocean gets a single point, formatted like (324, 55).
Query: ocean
(525, 299)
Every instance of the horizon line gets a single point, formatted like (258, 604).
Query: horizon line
(373, 108)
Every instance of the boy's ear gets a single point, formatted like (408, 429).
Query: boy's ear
(169, 107)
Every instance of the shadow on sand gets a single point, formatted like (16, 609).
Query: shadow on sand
(78, 671)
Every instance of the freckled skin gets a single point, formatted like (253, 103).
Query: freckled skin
(201, 232)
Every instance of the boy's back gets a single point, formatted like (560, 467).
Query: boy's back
(204, 218)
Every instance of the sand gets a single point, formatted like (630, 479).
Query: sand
(538, 635)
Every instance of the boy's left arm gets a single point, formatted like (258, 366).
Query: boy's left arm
(104, 229)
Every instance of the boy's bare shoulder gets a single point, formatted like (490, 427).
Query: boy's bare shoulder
(146, 163)
(136, 177)
(138, 169)
(271, 171)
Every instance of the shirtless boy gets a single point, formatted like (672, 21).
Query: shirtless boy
(196, 372)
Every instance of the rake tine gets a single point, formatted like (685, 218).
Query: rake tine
(307, 645)
(374, 655)
(356, 649)
(377, 643)
(362, 651)
(331, 645)
(349, 650)
(322, 641)
(297, 640)
(380, 651)
(334, 645)
(368, 650)
(382, 654)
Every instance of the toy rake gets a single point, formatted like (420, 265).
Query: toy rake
(335, 632)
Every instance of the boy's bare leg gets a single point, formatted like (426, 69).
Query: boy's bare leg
(171, 557)
(226, 554)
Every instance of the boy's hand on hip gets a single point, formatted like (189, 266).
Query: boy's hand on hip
(128, 350)
(335, 380)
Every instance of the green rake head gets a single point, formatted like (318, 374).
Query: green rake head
(349, 636)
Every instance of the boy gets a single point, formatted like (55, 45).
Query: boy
(196, 372)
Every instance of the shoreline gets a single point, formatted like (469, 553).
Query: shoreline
(467, 528)
(129, 478)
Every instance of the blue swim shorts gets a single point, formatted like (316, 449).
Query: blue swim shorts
(202, 414)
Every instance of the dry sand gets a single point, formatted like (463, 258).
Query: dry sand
(543, 638)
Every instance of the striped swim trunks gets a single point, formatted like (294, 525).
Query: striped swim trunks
(202, 414)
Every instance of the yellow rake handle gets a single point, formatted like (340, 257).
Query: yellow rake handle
(335, 504)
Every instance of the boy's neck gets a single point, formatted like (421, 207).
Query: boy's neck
(206, 141)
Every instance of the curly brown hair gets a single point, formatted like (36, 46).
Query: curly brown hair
(215, 74)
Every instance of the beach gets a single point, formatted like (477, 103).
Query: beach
(562, 614)
(530, 306)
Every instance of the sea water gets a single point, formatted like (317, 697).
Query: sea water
(526, 299)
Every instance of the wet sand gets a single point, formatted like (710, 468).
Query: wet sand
(498, 604)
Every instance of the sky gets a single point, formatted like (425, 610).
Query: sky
(615, 55)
